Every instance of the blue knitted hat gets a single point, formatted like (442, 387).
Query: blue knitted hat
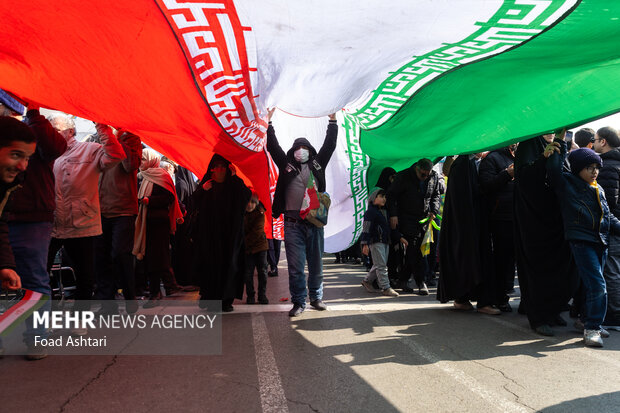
(581, 158)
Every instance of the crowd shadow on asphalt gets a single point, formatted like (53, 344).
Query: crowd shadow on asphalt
(607, 402)
(446, 334)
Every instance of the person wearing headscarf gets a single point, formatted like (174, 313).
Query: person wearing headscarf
(385, 179)
(220, 201)
(497, 185)
(465, 259)
(545, 266)
(158, 216)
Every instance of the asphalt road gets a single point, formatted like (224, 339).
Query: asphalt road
(368, 353)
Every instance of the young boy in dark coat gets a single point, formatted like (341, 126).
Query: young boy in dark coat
(375, 240)
(587, 223)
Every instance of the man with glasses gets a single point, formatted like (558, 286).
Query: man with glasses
(606, 144)
(413, 196)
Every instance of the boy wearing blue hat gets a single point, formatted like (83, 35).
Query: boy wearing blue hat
(587, 223)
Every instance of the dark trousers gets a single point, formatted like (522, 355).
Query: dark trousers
(157, 254)
(113, 258)
(503, 259)
(414, 263)
(258, 261)
(182, 256)
(80, 253)
(273, 256)
(395, 261)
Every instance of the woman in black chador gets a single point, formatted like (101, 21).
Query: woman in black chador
(547, 272)
(465, 260)
(220, 201)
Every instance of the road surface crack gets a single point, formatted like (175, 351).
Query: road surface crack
(505, 386)
(88, 383)
(101, 373)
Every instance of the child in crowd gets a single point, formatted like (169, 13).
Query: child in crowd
(376, 240)
(256, 248)
(587, 223)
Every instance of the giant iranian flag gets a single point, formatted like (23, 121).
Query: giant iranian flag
(409, 79)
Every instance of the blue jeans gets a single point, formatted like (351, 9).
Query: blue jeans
(30, 242)
(304, 242)
(590, 260)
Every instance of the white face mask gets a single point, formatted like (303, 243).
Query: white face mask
(302, 155)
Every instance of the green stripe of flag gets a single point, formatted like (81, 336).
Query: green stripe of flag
(566, 75)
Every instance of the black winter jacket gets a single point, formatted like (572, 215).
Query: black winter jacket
(289, 168)
(377, 228)
(585, 211)
(7, 260)
(36, 201)
(410, 203)
(497, 185)
(609, 179)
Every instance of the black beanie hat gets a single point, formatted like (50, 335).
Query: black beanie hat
(581, 158)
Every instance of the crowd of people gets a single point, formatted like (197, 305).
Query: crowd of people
(545, 209)
(129, 220)
(126, 219)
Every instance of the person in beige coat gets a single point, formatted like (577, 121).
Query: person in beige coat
(77, 219)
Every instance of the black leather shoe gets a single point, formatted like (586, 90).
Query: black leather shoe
(318, 305)
(296, 310)
(227, 308)
(272, 273)
(505, 308)
(262, 299)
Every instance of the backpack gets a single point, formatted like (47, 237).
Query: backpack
(318, 216)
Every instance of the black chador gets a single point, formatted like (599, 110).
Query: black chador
(465, 259)
(547, 273)
(218, 236)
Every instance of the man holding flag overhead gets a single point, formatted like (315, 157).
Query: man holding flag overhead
(302, 175)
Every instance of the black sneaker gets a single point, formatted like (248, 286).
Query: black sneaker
(273, 273)
(318, 305)
(250, 300)
(262, 299)
(296, 310)
(227, 308)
